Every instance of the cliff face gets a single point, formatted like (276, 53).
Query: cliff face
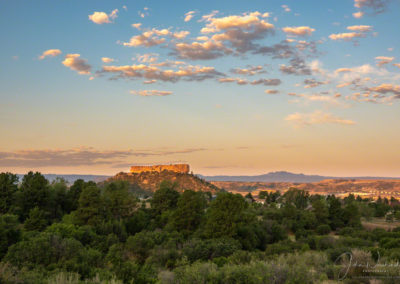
(178, 168)
(150, 180)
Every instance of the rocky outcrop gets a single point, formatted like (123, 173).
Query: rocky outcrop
(177, 168)
(150, 180)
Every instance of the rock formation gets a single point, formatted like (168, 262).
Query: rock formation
(177, 168)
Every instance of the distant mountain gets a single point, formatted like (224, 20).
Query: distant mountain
(71, 178)
(283, 176)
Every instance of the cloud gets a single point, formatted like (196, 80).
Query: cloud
(102, 18)
(387, 89)
(312, 83)
(50, 53)
(64, 158)
(358, 31)
(153, 37)
(286, 8)
(148, 93)
(200, 50)
(147, 57)
(382, 60)
(81, 156)
(180, 34)
(152, 72)
(346, 36)
(377, 6)
(107, 59)
(360, 28)
(238, 31)
(147, 82)
(267, 82)
(316, 117)
(299, 31)
(137, 26)
(144, 13)
(148, 38)
(297, 67)
(239, 81)
(189, 15)
(77, 64)
(250, 70)
(271, 92)
(358, 15)
(396, 64)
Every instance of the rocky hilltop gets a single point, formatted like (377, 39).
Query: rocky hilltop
(150, 180)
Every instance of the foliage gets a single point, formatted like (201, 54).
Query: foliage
(90, 233)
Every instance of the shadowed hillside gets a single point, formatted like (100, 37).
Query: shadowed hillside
(150, 181)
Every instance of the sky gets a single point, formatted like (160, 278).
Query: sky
(230, 87)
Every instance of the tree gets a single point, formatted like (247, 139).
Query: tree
(335, 212)
(165, 198)
(91, 206)
(321, 211)
(34, 193)
(36, 220)
(225, 215)
(351, 215)
(8, 187)
(75, 191)
(189, 212)
(119, 201)
(9, 232)
(60, 203)
(298, 198)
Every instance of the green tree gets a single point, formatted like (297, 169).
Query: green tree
(91, 206)
(9, 232)
(119, 201)
(36, 221)
(34, 192)
(225, 215)
(165, 198)
(297, 197)
(75, 191)
(8, 187)
(321, 211)
(189, 212)
(335, 212)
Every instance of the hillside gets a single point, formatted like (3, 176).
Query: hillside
(339, 187)
(150, 181)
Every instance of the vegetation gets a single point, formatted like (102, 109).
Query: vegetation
(89, 233)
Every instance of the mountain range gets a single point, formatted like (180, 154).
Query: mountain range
(283, 176)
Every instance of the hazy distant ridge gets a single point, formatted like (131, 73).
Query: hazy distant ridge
(283, 176)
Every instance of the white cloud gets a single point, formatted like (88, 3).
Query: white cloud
(102, 18)
(147, 93)
(316, 117)
(382, 60)
(286, 8)
(77, 64)
(299, 31)
(50, 53)
(189, 15)
(107, 59)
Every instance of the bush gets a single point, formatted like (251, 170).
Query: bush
(323, 229)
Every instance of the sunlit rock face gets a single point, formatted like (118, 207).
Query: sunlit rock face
(178, 168)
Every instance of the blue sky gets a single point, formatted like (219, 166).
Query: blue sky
(215, 91)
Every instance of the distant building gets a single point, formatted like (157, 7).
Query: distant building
(178, 168)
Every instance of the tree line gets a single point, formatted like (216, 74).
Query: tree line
(106, 233)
